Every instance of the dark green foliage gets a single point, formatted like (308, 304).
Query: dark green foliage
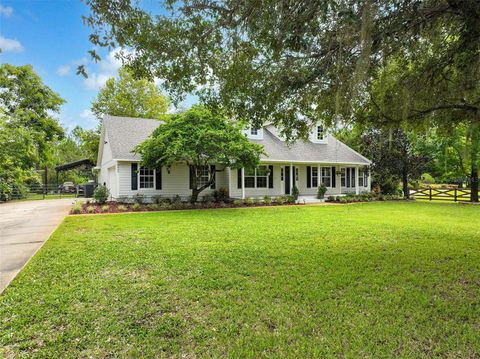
(322, 189)
(220, 195)
(101, 194)
(295, 192)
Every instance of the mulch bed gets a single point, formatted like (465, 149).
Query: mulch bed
(114, 207)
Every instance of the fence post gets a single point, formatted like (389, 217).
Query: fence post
(455, 198)
(430, 193)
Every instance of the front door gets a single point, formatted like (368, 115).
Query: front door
(287, 179)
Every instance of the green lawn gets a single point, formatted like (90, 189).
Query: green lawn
(374, 279)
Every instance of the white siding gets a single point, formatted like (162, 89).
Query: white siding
(174, 183)
(105, 177)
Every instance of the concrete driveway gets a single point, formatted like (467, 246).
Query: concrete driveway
(24, 227)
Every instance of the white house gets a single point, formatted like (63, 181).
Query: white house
(305, 164)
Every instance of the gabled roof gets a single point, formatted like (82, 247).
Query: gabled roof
(333, 151)
(124, 133)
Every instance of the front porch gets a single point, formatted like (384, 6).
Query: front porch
(278, 179)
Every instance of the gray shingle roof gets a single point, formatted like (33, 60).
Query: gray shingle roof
(124, 133)
(305, 151)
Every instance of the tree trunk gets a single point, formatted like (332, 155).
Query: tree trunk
(406, 192)
(194, 197)
(474, 169)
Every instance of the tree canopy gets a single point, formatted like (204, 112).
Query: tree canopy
(200, 139)
(30, 104)
(127, 96)
(291, 62)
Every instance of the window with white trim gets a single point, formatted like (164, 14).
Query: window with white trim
(254, 131)
(203, 178)
(348, 177)
(256, 177)
(320, 133)
(314, 177)
(326, 176)
(363, 178)
(146, 177)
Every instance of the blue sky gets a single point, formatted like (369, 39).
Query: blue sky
(50, 35)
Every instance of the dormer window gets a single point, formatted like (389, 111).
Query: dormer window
(320, 133)
(254, 131)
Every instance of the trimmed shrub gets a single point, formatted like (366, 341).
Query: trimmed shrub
(248, 201)
(154, 206)
(238, 202)
(322, 189)
(177, 199)
(136, 206)
(101, 194)
(90, 209)
(165, 204)
(122, 208)
(123, 199)
(330, 199)
(281, 199)
(390, 186)
(295, 193)
(139, 198)
(220, 195)
(267, 200)
(291, 199)
(157, 199)
(105, 208)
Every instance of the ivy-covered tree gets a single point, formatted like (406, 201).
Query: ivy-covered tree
(200, 139)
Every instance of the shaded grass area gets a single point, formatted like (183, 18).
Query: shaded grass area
(371, 279)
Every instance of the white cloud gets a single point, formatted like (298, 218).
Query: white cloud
(10, 45)
(108, 68)
(6, 10)
(64, 70)
(111, 63)
(95, 81)
(88, 118)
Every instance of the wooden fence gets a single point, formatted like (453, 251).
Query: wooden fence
(441, 194)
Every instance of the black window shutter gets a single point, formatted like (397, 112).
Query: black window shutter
(158, 178)
(190, 177)
(270, 177)
(309, 176)
(353, 177)
(134, 176)
(334, 177)
(239, 178)
(212, 170)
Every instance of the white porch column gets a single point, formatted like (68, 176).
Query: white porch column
(292, 177)
(368, 182)
(357, 176)
(243, 183)
(229, 171)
